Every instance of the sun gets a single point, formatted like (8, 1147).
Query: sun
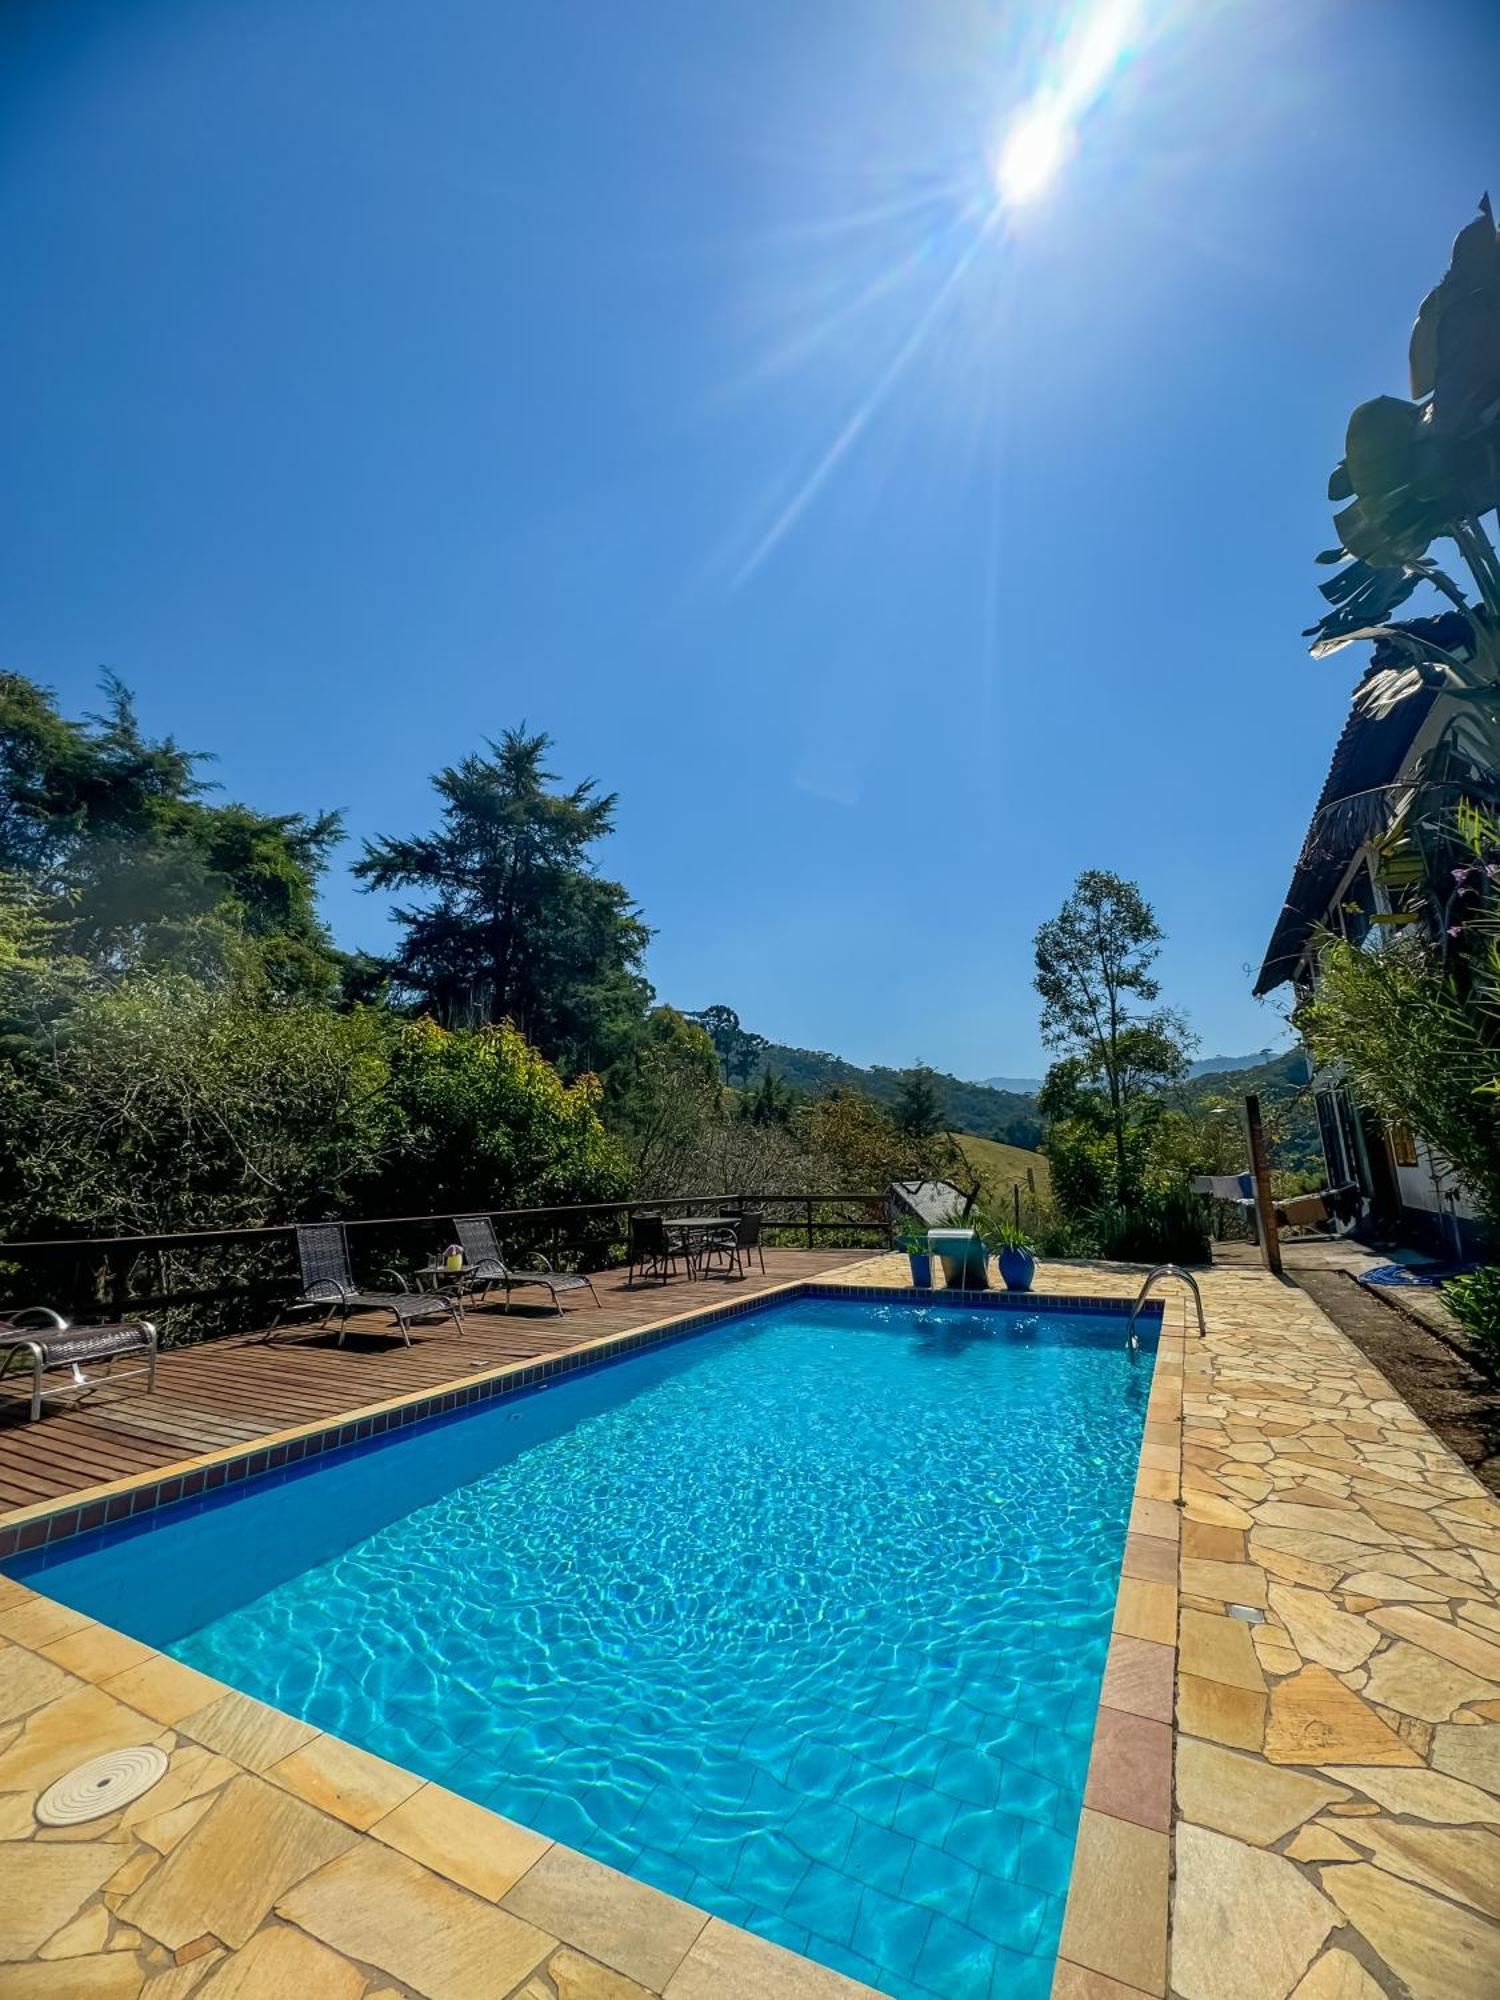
(1034, 149)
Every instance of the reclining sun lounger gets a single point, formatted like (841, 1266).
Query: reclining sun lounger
(41, 1339)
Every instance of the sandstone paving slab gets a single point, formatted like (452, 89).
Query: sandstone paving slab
(1219, 1648)
(1246, 1923)
(84, 1936)
(283, 1964)
(1421, 1794)
(106, 1976)
(1338, 1975)
(1449, 1641)
(1220, 1713)
(225, 1876)
(374, 1904)
(1315, 1719)
(164, 1689)
(67, 1732)
(1461, 1862)
(1469, 1752)
(44, 1887)
(1116, 1919)
(238, 1726)
(729, 1964)
(1320, 1631)
(1440, 1950)
(575, 1977)
(1244, 1796)
(1419, 1683)
(477, 1849)
(344, 1781)
(27, 1681)
(629, 1925)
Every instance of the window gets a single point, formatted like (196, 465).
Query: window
(1403, 1144)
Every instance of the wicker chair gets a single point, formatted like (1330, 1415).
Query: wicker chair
(328, 1282)
(485, 1266)
(42, 1340)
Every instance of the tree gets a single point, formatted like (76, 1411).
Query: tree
(515, 924)
(1426, 470)
(739, 1050)
(114, 835)
(919, 1110)
(1093, 960)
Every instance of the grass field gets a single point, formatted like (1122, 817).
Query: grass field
(1001, 1166)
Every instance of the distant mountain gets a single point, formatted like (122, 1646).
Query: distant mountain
(1007, 1115)
(1220, 1065)
(1280, 1081)
(1025, 1086)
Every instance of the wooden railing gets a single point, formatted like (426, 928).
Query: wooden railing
(239, 1272)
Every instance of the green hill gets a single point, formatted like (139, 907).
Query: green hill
(1003, 1167)
(1281, 1084)
(1004, 1115)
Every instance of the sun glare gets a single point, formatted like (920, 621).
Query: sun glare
(1044, 131)
(1031, 154)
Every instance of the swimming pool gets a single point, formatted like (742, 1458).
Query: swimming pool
(802, 1619)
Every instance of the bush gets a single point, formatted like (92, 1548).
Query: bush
(1168, 1228)
(1474, 1302)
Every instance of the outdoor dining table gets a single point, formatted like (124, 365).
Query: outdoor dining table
(694, 1228)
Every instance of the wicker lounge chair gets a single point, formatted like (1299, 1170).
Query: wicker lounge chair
(41, 1339)
(328, 1282)
(485, 1266)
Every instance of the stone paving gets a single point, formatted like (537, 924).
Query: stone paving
(1295, 1787)
(1336, 1753)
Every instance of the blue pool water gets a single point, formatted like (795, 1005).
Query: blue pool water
(802, 1619)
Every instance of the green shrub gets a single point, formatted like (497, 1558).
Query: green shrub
(1474, 1302)
(1167, 1228)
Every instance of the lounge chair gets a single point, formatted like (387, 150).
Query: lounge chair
(654, 1249)
(328, 1281)
(485, 1266)
(44, 1341)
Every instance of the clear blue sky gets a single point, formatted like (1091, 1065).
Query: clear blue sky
(377, 375)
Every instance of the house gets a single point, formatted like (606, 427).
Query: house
(1352, 876)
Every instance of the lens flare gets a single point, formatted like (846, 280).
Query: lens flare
(1044, 132)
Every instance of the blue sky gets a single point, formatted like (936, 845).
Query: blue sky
(378, 375)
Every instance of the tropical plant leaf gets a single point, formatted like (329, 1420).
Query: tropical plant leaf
(1340, 486)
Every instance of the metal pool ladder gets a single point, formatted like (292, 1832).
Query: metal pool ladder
(1164, 1271)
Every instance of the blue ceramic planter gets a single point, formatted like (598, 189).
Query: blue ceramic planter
(921, 1270)
(1018, 1268)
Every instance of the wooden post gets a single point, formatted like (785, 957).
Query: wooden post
(1016, 1191)
(810, 1243)
(1265, 1207)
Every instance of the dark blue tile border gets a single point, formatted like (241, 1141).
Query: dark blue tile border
(71, 1517)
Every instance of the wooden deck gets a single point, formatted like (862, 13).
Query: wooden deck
(230, 1391)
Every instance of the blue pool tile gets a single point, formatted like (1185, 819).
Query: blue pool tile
(1007, 1912)
(925, 1814)
(1044, 1858)
(819, 1769)
(969, 1775)
(955, 1959)
(875, 1797)
(878, 1856)
(823, 1831)
(988, 1841)
(667, 1872)
(827, 1902)
(940, 1881)
(769, 1869)
(889, 1931)
(830, 1952)
(1019, 1976)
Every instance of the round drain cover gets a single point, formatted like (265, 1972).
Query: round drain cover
(101, 1786)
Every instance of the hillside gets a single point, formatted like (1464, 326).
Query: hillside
(1003, 1115)
(1002, 1167)
(1291, 1117)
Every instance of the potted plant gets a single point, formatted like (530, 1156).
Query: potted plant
(913, 1242)
(1017, 1257)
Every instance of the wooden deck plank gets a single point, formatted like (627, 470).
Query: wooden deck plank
(229, 1391)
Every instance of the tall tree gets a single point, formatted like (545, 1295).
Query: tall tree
(739, 1049)
(919, 1110)
(1093, 971)
(114, 833)
(514, 922)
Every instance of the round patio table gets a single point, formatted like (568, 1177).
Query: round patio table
(694, 1228)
